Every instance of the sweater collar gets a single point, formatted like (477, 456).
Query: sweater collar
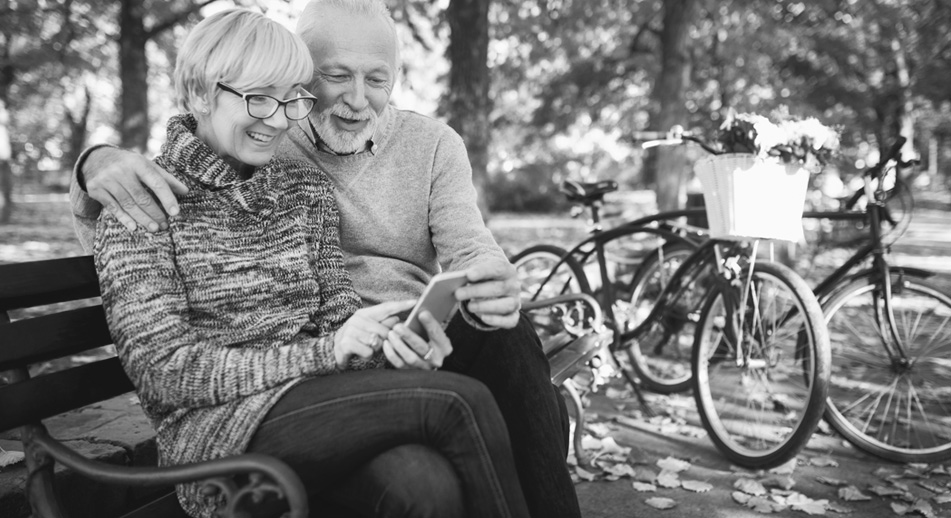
(189, 154)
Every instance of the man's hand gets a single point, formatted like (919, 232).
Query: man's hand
(492, 294)
(133, 188)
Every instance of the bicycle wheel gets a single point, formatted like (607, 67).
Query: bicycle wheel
(661, 358)
(534, 265)
(896, 406)
(761, 372)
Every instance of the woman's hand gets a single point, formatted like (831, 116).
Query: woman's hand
(407, 350)
(363, 333)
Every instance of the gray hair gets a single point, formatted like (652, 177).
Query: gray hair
(310, 20)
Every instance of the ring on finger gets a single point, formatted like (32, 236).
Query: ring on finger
(428, 355)
(374, 341)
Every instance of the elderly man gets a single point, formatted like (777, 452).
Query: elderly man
(408, 209)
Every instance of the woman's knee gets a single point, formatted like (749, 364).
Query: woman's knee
(420, 483)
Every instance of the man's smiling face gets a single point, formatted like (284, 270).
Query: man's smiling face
(355, 68)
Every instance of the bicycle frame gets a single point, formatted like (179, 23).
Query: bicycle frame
(595, 244)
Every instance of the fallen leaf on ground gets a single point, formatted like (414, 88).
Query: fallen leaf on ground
(643, 487)
(590, 442)
(673, 464)
(619, 470)
(696, 486)
(645, 475)
(900, 485)
(886, 491)
(599, 429)
(824, 462)
(9, 458)
(585, 474)
(801, 502)
(836, 508)
(852, 494)
(763, 505)
(900, 509)
(750, 487)
(831, 481)
(883, 472)
(668, 479)
(661, 503)
(741, 497)
(609, 445)
(780, 481)
(785, 468)
(923, 507)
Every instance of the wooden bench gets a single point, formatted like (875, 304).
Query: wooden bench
(46, 335)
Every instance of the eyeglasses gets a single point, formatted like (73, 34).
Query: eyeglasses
(262, 106)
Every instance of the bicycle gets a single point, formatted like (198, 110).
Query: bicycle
(892, 336)
(759, 324)
(890, 332)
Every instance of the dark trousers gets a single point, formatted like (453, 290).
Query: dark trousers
(511, 363)
(415, 478)
(396, 443)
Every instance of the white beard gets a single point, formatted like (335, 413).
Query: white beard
(345, 142)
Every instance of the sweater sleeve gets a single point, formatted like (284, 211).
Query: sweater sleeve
(172, 363)
(336, 287)
(85, 213)
(458, 231)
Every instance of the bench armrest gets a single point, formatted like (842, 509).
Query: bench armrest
(596, 320)
(216, 474)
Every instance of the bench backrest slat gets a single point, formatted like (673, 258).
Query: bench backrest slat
(52, 336)
(24, 285)
(52, 394)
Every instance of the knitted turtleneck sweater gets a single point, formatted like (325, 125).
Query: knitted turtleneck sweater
(217, 317)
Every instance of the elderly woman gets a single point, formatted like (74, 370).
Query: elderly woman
(238, 324)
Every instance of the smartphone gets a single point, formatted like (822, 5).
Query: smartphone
(438, 299)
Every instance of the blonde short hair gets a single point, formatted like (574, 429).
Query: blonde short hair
(242, 48)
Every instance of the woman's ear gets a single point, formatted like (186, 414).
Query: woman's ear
(198, 102)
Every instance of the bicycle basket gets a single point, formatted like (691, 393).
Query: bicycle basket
(748, 197)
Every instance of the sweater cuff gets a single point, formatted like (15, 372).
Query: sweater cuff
(81, 161)
(473, 320)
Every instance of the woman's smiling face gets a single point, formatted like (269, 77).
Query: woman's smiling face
(238, 137)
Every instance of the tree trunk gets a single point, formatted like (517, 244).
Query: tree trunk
(669, 93)
(134, 73)
(468, 97)
(6, 146)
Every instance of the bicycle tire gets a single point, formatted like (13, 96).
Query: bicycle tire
(895, 409)
(665, 367)
(534, 264)
(761, 411)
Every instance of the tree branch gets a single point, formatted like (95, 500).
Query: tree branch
(176, 19)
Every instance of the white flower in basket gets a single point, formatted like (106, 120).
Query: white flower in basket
(757, 188)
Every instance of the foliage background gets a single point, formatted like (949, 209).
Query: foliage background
(564, 86)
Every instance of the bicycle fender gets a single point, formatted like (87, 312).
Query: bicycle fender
(910, 271)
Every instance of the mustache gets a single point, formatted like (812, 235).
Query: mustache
(344, 111)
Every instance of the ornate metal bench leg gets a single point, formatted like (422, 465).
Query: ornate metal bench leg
(580, 454)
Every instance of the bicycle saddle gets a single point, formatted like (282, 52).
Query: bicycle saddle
(587, 192)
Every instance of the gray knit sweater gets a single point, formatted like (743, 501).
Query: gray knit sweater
(217, 317)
